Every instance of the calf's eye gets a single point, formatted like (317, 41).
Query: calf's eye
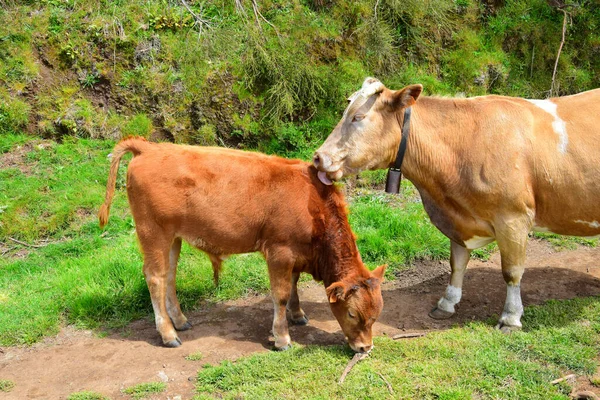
(358, 117)
(351, 315)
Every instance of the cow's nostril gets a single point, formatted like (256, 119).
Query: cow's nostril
(316, 160)
(362, 349)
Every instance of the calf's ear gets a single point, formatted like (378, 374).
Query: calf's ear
(406, 97)
(340, 291)
(335, 292)
(379, 272)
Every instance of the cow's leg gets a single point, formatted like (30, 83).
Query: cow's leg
(298, 316)
(173, 308)
(280, 263)
(459, 258)
(156, 269)
(511, 236)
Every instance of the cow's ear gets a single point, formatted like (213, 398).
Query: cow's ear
(335, 292)
(379, 272)
(402, 98)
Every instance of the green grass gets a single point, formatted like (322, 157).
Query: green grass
(194, 357)
(473, 361)
(86, 395)
(560, 242)
(144, 390)
(6, 385)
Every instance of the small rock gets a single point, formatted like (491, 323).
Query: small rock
(163, 377)
(585, 395)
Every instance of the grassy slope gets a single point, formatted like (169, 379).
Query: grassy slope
(474, 361)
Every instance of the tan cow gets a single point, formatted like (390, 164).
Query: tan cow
(228, 202)
(487, 168)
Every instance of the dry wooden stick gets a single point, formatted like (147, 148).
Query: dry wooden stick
(389, 385)
(357, 357)
(562, 42)
(564, 378)
(37, 246)
(408, 335)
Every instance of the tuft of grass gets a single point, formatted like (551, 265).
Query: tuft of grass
(86, 395)
(560, 242)
(6, 385)
(144, 390)
(194, 357)
(473, 361)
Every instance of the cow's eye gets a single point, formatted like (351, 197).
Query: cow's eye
(358, 117)
(351, 315)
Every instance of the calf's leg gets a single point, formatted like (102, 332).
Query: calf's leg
(156, 249)
(511, 236)
(173, 308)
(280, 262)
(459, 258)
(297, 314)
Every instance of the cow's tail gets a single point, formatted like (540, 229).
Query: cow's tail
(135, 145)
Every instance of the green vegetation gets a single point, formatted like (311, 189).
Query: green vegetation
(109, 69)
(144, 390)
(6, 385)
(474, 361)
(194, 357)
(86, 395)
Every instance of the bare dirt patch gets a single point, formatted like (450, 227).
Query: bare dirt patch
(17, 157)
(77, 360)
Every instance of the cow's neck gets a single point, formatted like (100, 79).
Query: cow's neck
(337, 255)
(431, 153)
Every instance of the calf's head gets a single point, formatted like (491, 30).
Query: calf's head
(368, 134)
(356, 303)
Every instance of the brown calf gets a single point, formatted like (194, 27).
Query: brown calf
(228, 202)
(487, 168)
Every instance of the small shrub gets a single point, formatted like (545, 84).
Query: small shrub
(206, 135)
(85, 395)
(14, 115)
(6, 385)
(144, 389)
(139, 125)
(194, 357)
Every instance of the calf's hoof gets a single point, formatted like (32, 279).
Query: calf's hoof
(300, 321)
(438, 313)
(184, 327)
(283, 348)
(173, 343)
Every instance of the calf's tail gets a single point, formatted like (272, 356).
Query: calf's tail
(135, 145)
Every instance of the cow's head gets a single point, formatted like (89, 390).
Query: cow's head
(368, 134)
(356, 304)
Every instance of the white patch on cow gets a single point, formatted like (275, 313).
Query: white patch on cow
(593, 224)
(559, 126)
(477, 241)
(450, 299)
(513, 308)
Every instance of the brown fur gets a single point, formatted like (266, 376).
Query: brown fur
(227, 202)
(487, 168)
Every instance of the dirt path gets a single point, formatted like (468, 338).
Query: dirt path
(77, 360)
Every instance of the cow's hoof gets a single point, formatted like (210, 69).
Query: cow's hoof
(185, 326)
(438, 313)
(173, 343)
(300, 321)
(506, 329)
